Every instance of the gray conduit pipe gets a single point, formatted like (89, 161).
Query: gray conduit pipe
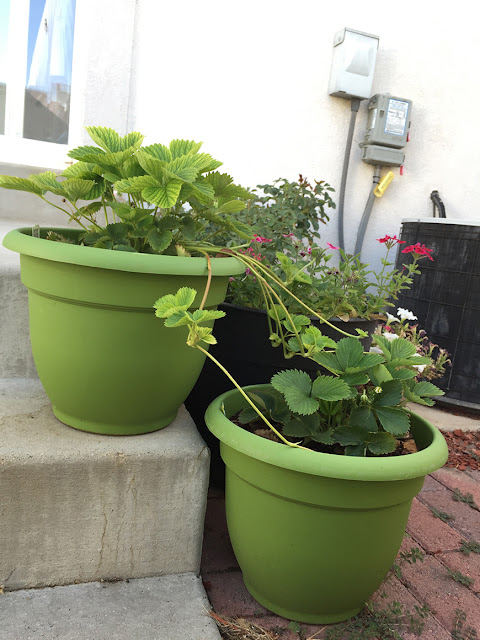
(355, 105)
(366, 214)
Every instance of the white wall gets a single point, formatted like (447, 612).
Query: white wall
(250, 79)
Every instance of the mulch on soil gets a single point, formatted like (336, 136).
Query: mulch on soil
(463, 449)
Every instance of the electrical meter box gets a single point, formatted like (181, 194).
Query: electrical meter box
(388, 121)
(354, 56)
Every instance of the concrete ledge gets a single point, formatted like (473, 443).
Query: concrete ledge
(168, 608)
(76, 507)
(16, 358)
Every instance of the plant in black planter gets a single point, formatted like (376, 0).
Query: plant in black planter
(344, 295)
(401, 326)
(143, 216)
(320, 474)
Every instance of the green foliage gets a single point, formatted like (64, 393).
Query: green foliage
(413, 555)
(459, 577)
(460, 631)
(438, 357)
(468, 547)
(346, 289)
(296, 628)
(174, 308)
(154, 199)
(359, 406)
(289, 215)
(389, 623)
(443, 515)
(458, 496)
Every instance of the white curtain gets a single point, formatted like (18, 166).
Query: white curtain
(51, 66)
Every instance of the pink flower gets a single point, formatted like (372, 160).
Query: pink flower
(288, 235)
(330, 246)
(260, 239)
(419, 249)
(391, 239)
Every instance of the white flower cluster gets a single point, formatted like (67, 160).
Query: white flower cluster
(405, 314)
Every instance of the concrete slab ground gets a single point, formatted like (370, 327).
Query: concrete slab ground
(166, 608)
(79, 507)
(446, 419)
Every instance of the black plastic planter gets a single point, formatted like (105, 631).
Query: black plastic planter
(446, 299)
(245, 351)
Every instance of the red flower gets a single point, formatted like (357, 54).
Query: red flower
(330, 246)
(260, 239)
(419, 249)
(392, 239)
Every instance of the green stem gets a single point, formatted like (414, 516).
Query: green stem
(252, 404)
(209, 279)
(72, 217)
(252, 264)
(311, 311)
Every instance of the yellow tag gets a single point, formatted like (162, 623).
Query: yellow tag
(383, 184)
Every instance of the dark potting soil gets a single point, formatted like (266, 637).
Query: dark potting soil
(405, 445)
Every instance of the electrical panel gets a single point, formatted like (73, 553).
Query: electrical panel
(388, 121)
(354, 56)
(388, 130)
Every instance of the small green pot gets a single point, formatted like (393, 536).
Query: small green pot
(108, 365)
(315, 534)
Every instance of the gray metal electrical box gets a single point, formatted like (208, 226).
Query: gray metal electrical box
(353, 64)
(388, 121)
(383, 156)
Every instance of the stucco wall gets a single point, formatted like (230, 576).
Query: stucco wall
(250, 79)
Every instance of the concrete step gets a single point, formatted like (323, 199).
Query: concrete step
(166, 608)
(16, 358)
(77, 507)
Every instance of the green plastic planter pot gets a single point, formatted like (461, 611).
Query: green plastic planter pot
(315, 534)
(108, 365)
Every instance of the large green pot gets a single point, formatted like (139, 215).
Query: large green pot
(107, 363)
(315, 534)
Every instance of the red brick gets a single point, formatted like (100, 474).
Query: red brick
(475, 475)
(431, 484)
(430, 583)
(430, 532)
(454, 479)
(468, 565)
(217, 554)
(467, 520)
(392, 589)
(229, 597)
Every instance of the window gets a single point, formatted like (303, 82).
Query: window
(35, 78)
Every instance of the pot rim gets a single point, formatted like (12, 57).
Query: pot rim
(329, 465)
(21, 241)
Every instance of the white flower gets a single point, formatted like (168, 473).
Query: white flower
(390, 336)
(391, 318)
(419, 367)
(405, 314)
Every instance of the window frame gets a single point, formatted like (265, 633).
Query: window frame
(14, 148)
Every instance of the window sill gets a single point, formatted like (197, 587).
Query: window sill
(34, 153)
